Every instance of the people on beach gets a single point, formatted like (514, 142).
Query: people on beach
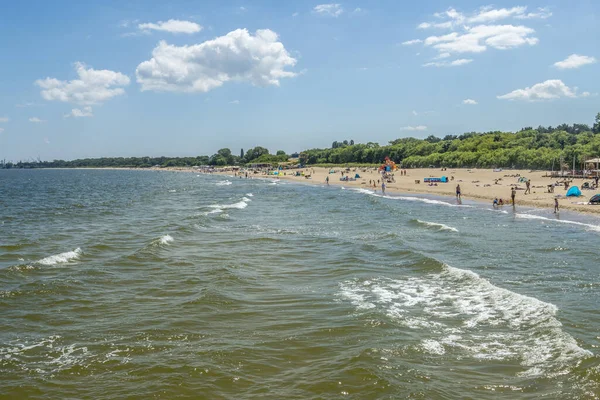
(495, 202)
(458, 196)
(528, 187)
(513, 193)
(327, 179)
(383, 187)
(555, 205)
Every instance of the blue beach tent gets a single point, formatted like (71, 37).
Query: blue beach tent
(574, 191)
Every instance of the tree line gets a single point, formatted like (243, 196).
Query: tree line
(222, 157)
(535, 148)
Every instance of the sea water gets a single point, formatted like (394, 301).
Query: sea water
(157, 284)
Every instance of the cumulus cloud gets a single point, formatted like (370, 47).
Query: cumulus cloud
(478, 38)
(92, 87)
(454, 19)
(469, 101)
(4, 119)
(414, 128)
(238, 56)
(574, 61)
(36, 120)
(455, 63)
(171, 26)
(548, 90)
(477, 31)
(410, 42)
(79, 113)
(330, 10)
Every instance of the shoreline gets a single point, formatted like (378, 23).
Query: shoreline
(478, 184)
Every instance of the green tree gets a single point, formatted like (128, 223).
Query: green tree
(596, 128)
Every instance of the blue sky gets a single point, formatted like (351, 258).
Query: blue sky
(182, 78)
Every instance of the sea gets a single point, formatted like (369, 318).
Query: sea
(171, 285)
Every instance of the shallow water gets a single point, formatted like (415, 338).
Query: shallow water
(144, 284)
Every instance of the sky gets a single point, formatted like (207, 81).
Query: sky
(186, 78)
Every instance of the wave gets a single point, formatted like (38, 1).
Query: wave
(455, 311)
(166, 239)
(61, 258)
(218, 208)
(224, 183)
(410, 198)
(589, 227)
(441, 227)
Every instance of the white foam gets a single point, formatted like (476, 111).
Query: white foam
(239, 205)
(442, 227)
(166, 239)
(409, 198)
(249, 195)
(224, 183)
(589, 227)
(457, 309)
(61, 258)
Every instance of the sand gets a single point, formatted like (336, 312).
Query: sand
(477, 184)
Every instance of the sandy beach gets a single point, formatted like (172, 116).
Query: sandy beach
(479, 184)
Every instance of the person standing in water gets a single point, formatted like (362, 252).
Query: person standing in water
(458, 192)
(555, 205)
(327, 180)
(383, 187)
(513, 193)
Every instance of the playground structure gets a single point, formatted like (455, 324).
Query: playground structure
(388, 165)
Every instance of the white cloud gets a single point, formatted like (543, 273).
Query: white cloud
(234, 102)
(4, 119)
(414, 128)
(92, 87)
(172, 26)
(490, 15)
(410, 42)
(455, 63)
(477, 31)
(36, 120)
(238, 56)
(295, 14)
(331, 10)
(543, 13)
(455, 19)
(477, 38)
(574, 61)
(548, 90)
(469, 101)
(442, 56)
(79, 113)
(415, 113)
